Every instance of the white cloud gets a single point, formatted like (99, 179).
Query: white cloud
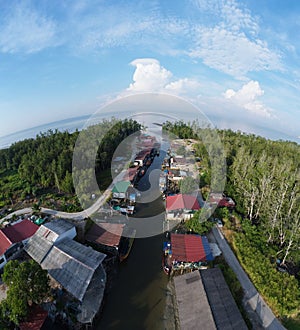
(221, 33)
(231, 44)
(183, 85)
(150, 76)
(229, 13)
(237, 18)
(25, 30)
(233, 53)
(246, 97)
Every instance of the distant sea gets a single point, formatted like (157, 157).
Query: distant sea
(71, 124)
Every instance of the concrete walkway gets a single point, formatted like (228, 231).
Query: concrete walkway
(252, 297)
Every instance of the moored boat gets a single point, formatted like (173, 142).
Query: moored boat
(126, 244)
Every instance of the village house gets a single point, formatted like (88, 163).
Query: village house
(106, 236)
(13, 238)
(77, 268)
(181, 206)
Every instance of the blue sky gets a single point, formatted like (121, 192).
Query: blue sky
(238, 61)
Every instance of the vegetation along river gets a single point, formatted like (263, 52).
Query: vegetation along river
(137, 299)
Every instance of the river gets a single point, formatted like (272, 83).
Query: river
(137, 299)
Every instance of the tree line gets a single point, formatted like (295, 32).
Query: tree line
(263, 178)
(46, 161)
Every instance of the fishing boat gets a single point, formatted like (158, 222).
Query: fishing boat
(126, 243)
(166, 259)
(142, 171)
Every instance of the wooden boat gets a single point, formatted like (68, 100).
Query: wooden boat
(126, 244)
(166, 258)
(142, 171)
(167, 267)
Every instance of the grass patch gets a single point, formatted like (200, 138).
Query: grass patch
(292, 324)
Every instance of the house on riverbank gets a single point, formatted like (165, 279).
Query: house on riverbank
(181, 206)
(186, 253)
(106, 236)
(13, 238)
(75, 267)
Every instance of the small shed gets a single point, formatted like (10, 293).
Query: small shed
(120, 189)
(105, 234)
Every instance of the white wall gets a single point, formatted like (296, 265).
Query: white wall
(3, 262)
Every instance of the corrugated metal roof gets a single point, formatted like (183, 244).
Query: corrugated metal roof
(40, 244)
(20, 231)
(190, 248)
(35, 319)
(182, 201)
(193, 307)
(207, 249)
(121, 186)
(72, 265)
(93, 298)
(5, 243)
(47, 234)
(58, 226)
(225, 311)
(38, 247)
(105, 233)
(82, 253)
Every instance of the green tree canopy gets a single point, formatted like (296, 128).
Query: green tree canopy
(27, 284)
(188, 185)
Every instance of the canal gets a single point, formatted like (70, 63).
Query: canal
(137, 299)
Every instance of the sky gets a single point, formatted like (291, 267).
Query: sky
(237, 61)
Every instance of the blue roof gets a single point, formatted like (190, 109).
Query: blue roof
(207, 249)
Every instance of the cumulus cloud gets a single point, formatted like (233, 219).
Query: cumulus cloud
(151, 76)
(185, 84)
(246, 97)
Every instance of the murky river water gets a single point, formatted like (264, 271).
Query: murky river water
(138, 297)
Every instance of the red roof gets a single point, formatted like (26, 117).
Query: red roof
(5, 243)
(187, 248)
(21, 231)
(106, 233)
(181, 201)
(36, 319)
